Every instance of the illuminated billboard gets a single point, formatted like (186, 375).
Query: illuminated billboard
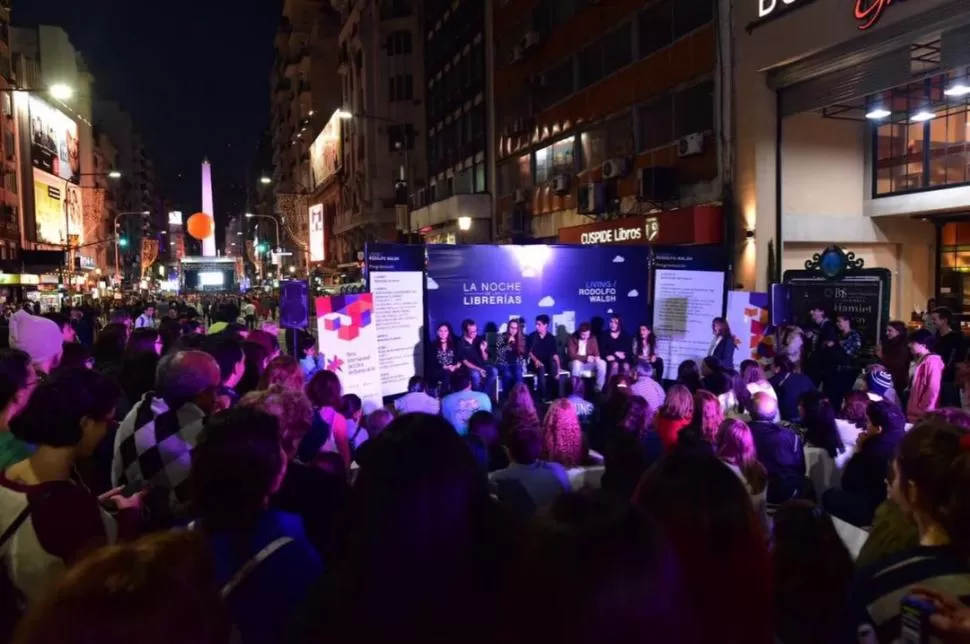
(57, 205)
(175, 218)
(326, 151)
(54, 144)
(318, 249)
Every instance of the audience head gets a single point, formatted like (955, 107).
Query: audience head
(896, 331)
(188, 377)
(637, 416)
(416, 385)
(644, 370)
(576, 387)
(324, 390)
(269, 342)
(854, 407)
(144, 340)
(524, 445)
(377, 421)
(157, 590)
(887, 420)
(735, 443)
(284, 371)
(763, 407)
(520, 402)
(943, 318)
(679, 404)
(39, 338)
(482, 424)
(460, 380)
(710, 365)
(707, 416)
(818, 418)
(783, 365)
(921, 342)
(292, 410)
(596, 571)
(71, 409)
(689, 375)
(76, 356)
(230, 357)
(256, 360)
(236, 469)
(17, 382)
(190, 327)
(351, 407)
(562, 437)
(68, 334)
(109, 345)
(751, 372)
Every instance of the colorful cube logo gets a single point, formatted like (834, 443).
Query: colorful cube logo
(345, 315)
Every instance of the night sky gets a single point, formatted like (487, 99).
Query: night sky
(194, 74)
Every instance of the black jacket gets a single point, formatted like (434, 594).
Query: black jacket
(724, 353)
(953, 349)
(790, 388)
(781, 452)
(865, 473)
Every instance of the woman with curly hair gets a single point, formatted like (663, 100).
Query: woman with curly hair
(519, 410)
(562, 437)
(284, 371)
(706, 422)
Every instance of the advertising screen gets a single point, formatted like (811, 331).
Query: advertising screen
(325, 152)
(212, 279)
(53, 141)
(318, 252)
(57, 204)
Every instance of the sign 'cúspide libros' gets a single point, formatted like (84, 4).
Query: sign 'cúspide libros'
(611, 236)
(866, 12)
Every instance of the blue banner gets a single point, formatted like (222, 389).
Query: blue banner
(394, 258)
(570, 284)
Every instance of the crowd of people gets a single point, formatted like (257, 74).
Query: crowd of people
(179, 477)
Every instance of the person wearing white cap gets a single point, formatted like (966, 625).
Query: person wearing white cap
(39, 338)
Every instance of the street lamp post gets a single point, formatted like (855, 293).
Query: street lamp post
(60, 91)
(276, 223)
(117, 236)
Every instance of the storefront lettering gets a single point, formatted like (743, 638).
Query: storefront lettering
(766, 7)
(868, 12)
(611, 236)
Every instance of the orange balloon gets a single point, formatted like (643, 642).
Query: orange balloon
(200, 225)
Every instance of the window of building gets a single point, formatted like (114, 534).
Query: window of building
(9, 146)
(479, 177)
(10, 182)
(401, 88)
(593, 144)
(620, 140)
(590, 64)
(552, 13)
(657, 123)
(7, 101)
(400, 136)
(555, 159)
(656, 26)
(553, 85)
(694, 109)
(618, 48)
(691, 14)
(398, 43)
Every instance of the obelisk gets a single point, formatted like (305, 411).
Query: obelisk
(209, 243)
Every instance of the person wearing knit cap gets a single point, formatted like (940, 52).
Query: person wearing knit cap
(879, 385)
(39, 338)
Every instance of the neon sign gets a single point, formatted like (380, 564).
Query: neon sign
(868, 12)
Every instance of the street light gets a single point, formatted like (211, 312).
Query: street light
(62, 91)
(119, 241)
(464, 223)
(265, 180)
(275, 221)
(114, 174)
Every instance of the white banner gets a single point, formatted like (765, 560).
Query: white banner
(347, 338)
(685, 304)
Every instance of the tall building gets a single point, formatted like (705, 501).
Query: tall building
(607, 110)
(305, 92)
(106, 189)
(233, 237)
(9, 153)
(135, 192)
(456, 37)
(60, 202)
(382, 71)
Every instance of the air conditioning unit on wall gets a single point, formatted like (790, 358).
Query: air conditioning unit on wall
(560, 184)
(691, 145)
(615, 168)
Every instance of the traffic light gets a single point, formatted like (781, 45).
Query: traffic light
(123, 242)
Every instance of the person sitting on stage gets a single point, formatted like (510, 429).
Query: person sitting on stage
(444, 361)
(645, 350)
(617, 348)
(543, 354)
(584, 356)
(473, 354)
(510, 355)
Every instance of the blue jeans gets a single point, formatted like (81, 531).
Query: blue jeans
(486, 383)
(511, 375)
